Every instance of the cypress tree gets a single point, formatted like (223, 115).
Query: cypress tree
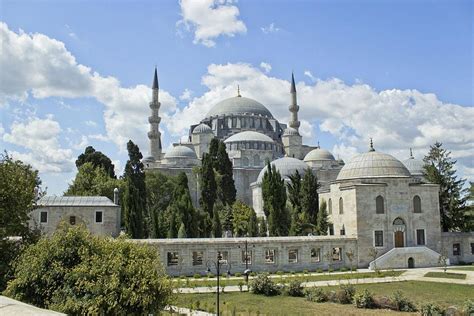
(183, 204)
(322, 222)
(216, 225)
(226, 185)
(439, 169)
(213, 149)
(134, 201)
(252, 225)
(182, 231)
(262, 227)
(228, 225)
(274, 202)
(208, 185)
(294, 197)
(172, 233)
(310, 196)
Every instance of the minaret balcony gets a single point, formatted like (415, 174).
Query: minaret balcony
(155, 105)
(294, 108)
(154, 134)
(154, 119)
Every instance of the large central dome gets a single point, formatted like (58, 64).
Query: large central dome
(237, 106)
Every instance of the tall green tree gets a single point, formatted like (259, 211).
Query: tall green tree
(310, 196)
(213, 149)
(172, 229)
(134, 200)
(262, 227)
(253, 225)
(274, 202)
(182, 231)
(208, 185)
(76, 273)
(294, 198)
(183, 207)
(440, 169)
(216, 225)
(470, 209)
(98, 159)
(228, 225)
(93, 180)
(223, 166)
(18, 183)
(241, 214)
(322, 224)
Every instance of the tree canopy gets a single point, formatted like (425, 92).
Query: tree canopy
(98, 159)
(76, 273)
(274, 202)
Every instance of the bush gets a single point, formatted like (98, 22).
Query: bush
(345, 294)
(364, 300)
(431, 309)
(253, 274)
(343, 269)
(280, 273)
(210, 275)
(294, 289)
(319, 270)
(315, 294)
(330, 270)
(305, 271)
(468, 307)
(196, 276)
(262, 284)
(238, 274)
(401, 303)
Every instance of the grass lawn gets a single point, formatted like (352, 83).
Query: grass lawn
(447, 275)
(466, 268)
(250, 304)
(288, 278)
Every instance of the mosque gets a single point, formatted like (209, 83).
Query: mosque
(375, 201)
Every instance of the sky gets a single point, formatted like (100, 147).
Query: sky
(78, 73)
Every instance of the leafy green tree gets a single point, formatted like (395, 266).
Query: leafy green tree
(98, 159)
(216, 225)
(172, 230)
(262, 227)
(223, 166)
(253, 225)
(274, 202)
(228, 224)
(134, 200)
(208, 185)
(241, 214)
(18, 182)
(470, 209)
(76, 273)
(310, 196)
(294, 198)
(182, 231)
(439, 169)
(322, 225)
(213, 149)
(92, 181)
(183, 207)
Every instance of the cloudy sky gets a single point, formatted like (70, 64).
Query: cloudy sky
(78, 73)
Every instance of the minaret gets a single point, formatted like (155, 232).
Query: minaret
(154, 134)
(294, 123)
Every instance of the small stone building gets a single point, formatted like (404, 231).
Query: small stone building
(98, 214)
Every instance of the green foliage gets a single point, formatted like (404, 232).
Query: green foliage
(322, 224)
(262, 227)
(364, 300)
(274, 202)
(18, 183)
(402, 303)
(241, 214)
(316, 294)
(216, 225)
(345, 294)
(469, 307)
(252, 229)
(228, 222)
(431, 309)
(208, 185)
(310, 196)
(182, 231)
(294, 288)
(439, 169)
(93, 180)
(262, 284)
(97, 159)
(134, 200)
(226, 187)
(77, 273)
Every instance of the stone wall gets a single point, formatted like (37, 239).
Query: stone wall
(257, 247)
(466, 243)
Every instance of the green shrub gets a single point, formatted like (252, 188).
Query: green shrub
(402, 303)
(469, 307)
(431, 309)
(364, 300)
(253, 274)
(196, 276)
(294, 289)
(345, 294)
(280, 273)
(330, 270)
(237, 274)
(241, 286)
(343, 269)
(210, 275)
(319, 270)
(305, 271)
(315, 294)
(262, 284)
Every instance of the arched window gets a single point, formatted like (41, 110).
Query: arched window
(398, 221)
(379, 207)
(416, 204)
(330, 206)
(341, 206)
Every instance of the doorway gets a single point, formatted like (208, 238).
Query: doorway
(399, 240)
(411, 263)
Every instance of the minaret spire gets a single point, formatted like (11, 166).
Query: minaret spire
(411, 154)
(294, 108)
(154, 134)
(371, 145)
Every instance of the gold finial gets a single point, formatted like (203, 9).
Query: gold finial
(238, 91)
(371, 145)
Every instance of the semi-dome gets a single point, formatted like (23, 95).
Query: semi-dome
(318, 154)
(249, 136)
(239, 105)
(181, 151)
(373, 165)
(415, 166)
(286, 166)
(202, 129)
(290, 131)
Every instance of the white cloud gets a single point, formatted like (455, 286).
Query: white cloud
(90, 123)
(40, 138)
(37, 64)
(99, 137)
(308, 74)
(186, 95)
(266, 67)
(210, 19)
(271, 28)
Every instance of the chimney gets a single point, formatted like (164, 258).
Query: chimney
(116, 196)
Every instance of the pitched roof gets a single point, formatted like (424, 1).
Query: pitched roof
(75, 201)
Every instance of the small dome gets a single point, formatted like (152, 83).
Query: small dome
(239, 105)
(202, 129)
(286, 166)
(290, 131)
(373, 165)
(318, 154)
(415, 166)
(181, 152)
(249, 136)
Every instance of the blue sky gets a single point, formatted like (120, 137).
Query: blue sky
(398, 71)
